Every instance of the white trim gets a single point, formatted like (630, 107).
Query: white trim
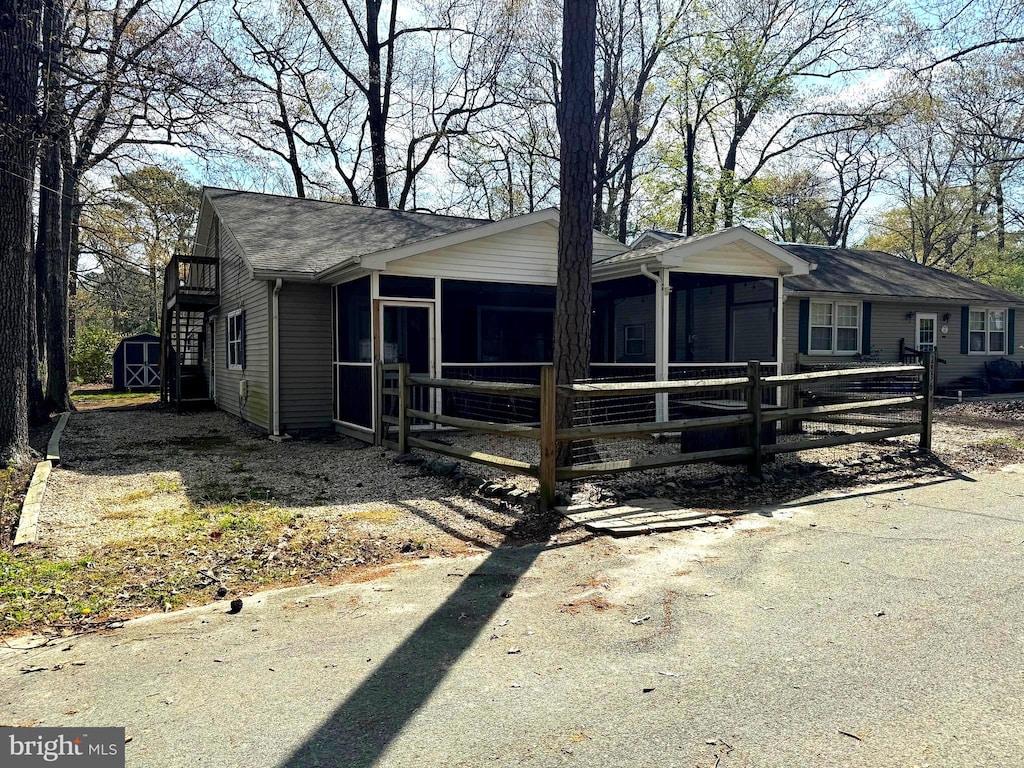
(674, 254)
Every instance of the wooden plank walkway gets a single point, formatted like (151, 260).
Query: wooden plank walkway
(637, 516)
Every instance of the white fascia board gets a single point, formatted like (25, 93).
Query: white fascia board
(791, 265)
(380, 259)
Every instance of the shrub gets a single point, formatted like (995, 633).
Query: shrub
(90, 359)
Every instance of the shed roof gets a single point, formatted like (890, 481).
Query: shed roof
(876, 273)
(299, 236)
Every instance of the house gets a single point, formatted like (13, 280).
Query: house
(862, 304)
(870, 304)
(285, 305)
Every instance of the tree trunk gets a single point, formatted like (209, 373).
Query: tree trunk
(376, 116)
(576, 180)
(18, 85)
(54, 339)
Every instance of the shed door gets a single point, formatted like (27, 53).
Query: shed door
(141, 364)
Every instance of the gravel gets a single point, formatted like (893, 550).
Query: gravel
(126, 470)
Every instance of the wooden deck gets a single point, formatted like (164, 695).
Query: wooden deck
(638, 516)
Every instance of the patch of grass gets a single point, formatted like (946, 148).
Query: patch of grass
(109, 394)
(166, 485)
(375, 515)
(1005, 441)
(237, 467)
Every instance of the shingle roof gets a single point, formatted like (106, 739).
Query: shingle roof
(846, 270)
(304, 237)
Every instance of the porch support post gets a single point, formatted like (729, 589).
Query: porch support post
(662, 307)
(780, 325)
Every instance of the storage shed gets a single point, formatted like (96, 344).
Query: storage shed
(137, 363)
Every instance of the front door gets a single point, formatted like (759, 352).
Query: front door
(407, 336)
(926, 324)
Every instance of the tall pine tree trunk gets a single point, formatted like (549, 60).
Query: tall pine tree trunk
(19, 62)
(576, 220)
(50, 237)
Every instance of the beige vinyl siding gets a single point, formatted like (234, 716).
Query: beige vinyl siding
(528, 255)
(239, 291)
(304, 316)
(889, 324)
(603, 248)
(732, 259)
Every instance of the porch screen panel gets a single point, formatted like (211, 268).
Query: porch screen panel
(355, 388)
(623, 327)
(496, 322)
(353, 322)
(353, 369)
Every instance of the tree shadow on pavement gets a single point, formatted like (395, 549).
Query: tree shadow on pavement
(362, 727)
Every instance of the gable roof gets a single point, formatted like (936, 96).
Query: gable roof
(301, 237)
(674, 252)
(862, 272)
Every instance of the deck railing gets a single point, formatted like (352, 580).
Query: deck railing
(744, 423)
(190, 277)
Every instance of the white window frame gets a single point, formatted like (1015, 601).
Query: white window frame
(987, 330)
(835, 328)
(234, 345)
(642, 338)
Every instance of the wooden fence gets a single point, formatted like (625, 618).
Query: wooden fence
(749, 414)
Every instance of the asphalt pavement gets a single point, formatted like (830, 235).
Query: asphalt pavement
(881, 628)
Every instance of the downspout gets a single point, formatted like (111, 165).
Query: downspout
(276, 362)
(662, 309)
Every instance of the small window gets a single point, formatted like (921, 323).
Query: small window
(634, 339)
(236, 340)
(835, 328)
(987, 331)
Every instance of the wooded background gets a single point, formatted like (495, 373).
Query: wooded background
(890, 125)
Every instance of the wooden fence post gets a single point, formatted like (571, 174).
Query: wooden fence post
(927, 387)
(404, 398)
(548, 446)
(754, 409)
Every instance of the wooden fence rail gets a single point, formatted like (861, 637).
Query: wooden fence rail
(751, 415)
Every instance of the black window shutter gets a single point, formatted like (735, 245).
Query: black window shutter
(227, 342)
(805, 325)
(965, 330)
(865, 331)
(1011, 321)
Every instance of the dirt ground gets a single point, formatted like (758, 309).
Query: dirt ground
(151, 510)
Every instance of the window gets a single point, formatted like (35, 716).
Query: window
(236, 340)
(987, 331)
(835, 328)
(634, 339)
